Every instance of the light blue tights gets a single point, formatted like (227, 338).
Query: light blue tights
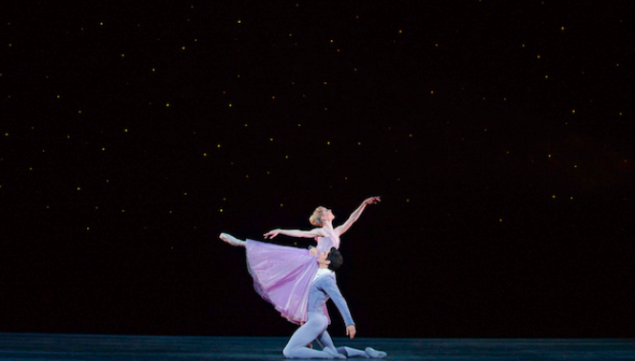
(315, 329)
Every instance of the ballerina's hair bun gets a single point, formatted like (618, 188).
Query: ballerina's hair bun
(315, 217)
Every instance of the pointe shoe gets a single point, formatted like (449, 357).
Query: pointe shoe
(374, 353)
(231, 240)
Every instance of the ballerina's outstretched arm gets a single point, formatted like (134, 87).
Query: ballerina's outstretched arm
(316, 232)
(355, 215)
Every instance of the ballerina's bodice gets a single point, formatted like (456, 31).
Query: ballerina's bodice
(325, 243)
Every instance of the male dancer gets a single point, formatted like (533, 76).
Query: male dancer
(323, 287)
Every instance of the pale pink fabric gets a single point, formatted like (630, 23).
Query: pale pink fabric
(282, 276)
(325, 243)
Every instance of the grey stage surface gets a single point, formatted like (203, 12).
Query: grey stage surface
(23, 346)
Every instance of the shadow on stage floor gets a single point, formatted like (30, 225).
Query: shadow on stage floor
(23, 346)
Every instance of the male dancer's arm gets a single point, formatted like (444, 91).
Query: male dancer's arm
(329, 286)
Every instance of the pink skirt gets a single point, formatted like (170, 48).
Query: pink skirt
(282, 276)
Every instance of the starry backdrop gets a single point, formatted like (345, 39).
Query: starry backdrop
(498, 134)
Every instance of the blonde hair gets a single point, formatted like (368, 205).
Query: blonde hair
(316, 217)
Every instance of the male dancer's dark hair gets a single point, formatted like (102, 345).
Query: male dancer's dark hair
(336, 259)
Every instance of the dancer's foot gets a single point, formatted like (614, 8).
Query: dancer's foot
(374, 353)
(232, 240)
(334, 353)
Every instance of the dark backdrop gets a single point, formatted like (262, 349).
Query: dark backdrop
(499, 136)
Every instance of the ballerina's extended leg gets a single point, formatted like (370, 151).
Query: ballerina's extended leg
(232, 240)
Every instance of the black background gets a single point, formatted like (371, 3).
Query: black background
(498, 134)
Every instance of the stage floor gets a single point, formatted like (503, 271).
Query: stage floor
(23, 346)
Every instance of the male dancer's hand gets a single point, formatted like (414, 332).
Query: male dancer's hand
(351, 331)
(314, 252)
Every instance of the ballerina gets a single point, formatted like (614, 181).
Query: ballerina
(283, 275)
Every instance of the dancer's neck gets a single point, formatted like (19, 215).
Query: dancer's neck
(328, 225)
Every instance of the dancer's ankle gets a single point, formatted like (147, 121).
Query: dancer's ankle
(232, 240)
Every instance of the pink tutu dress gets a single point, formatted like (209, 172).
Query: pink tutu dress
(283, 275)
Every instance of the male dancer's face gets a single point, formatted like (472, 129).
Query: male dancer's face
(322, 261)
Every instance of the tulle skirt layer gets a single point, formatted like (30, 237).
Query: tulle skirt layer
(282, 276)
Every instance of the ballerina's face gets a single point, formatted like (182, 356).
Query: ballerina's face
(327, 215)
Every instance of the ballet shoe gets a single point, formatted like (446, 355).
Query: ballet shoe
(374, 353)
(231, 239)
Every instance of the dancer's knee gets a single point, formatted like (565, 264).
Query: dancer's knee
(286, 352)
